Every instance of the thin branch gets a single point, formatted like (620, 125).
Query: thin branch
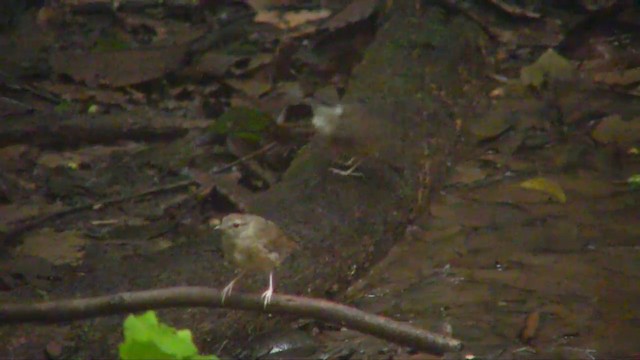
(10, 238)
(245, 158)
(127, 302)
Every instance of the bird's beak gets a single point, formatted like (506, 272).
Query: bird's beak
(215, 223)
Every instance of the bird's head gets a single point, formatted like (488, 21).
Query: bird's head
(234, 223)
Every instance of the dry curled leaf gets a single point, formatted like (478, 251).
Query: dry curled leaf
(259, 5)
(547, 186)
(297, 18)
(622, 78)
(613, 130)
(530, 328)
(118, 68)
(291, 19)
(354, 12)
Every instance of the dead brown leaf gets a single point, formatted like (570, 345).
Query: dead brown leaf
(622, 78)
(467, 173)
(56, 247)
(11, 155)
(290, 19)
(270, 17)
(255, 62)
(530, 328)
(12, 213)
(82, 93)
(297, 18)
(118, 68)
(259, 5)
(83, 156)
(215, 64)
(252, 87)
(612, 129)
(354, 12)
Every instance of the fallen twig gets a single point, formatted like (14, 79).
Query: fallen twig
(127, 302)
(249, 156)
(10, 238)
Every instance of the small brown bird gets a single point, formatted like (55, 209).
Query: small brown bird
(351, 132)
(253, 244)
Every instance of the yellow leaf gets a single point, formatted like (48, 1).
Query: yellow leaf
(545, 185)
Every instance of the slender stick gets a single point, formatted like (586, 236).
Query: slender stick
(127, 302)
(249, 156)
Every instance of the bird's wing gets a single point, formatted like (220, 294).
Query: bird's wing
(271, 238)
(253, 256)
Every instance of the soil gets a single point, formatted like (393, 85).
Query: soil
(506, 222)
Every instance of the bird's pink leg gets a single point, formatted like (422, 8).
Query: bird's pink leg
(227, 289)
(266, 296)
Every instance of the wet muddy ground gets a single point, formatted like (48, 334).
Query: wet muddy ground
(506, 218)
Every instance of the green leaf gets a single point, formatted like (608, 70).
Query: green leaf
(248, 136)
(549, 66)
(242, 120)
(63, 107)
(145, 338)
(111, 42)
(634, 181)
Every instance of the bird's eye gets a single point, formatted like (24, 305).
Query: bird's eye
(236, 225)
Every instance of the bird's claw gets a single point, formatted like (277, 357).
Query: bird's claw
(349, 172)
(226, 292)
(353, 164)
(266, 297)
(227, 289)
(352, 161)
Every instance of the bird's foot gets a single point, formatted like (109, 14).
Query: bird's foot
(349, 172)
(266, 296)
(352, 161)
(353, 164)
(227, 289)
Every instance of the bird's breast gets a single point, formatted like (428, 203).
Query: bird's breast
(253, 256)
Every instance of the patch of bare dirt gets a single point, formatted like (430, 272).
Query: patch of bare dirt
(496, 206)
